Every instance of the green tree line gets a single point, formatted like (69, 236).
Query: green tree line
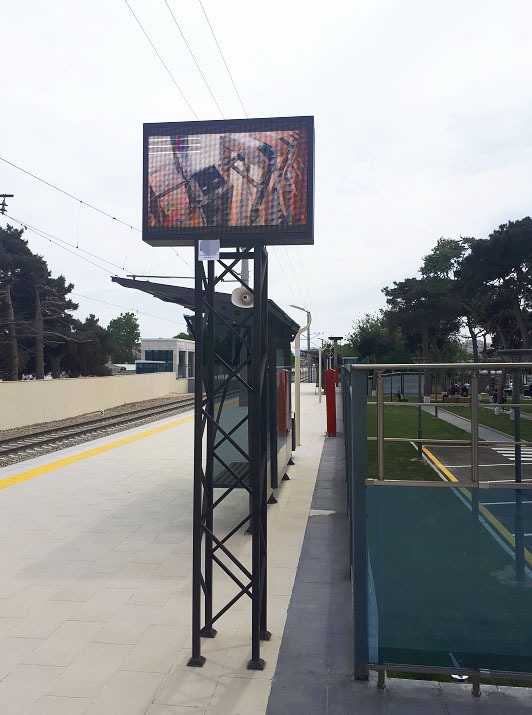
(479, 286)
(38, 332)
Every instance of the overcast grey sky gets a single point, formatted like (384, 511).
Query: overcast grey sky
(422, 116)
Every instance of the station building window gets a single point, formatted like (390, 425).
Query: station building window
(166, 356)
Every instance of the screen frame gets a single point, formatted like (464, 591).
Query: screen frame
(237, 236)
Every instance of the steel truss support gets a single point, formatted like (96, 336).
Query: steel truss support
(216, 380)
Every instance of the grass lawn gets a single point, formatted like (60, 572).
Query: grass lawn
(502, 422)
(400, 458)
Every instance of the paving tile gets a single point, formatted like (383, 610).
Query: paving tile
(175, 710)
(127, 625)
(176, 611)
(239, 696)
(347, 695)
(90, 672)
(156, 650)
(13, 651)
(50, 705)
(80, 589)
(155, 592)
(26, 602)
(103, 604)
(131, 575)
(64, 644)
(126, 694)
(24, 686)
(191, 687)
(177, 565)
(45, 621)
(111, 563)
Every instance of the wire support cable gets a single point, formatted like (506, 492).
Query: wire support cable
(223, 59)
(162, 61)
(194, 58)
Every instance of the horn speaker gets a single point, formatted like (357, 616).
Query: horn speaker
(242, 298)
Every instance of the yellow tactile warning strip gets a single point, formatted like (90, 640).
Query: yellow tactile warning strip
(59, 463)
(495, 523)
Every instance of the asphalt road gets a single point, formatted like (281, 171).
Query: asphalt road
(497, 466)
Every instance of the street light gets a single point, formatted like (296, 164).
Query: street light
(419, 361)
(297, 383)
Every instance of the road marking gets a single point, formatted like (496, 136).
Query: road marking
(509, 453)
(440, 466)
(486, 513)
(468, 466)
(503, 503)
(67, 461)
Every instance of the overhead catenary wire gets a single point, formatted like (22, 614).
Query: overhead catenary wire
(223, 59)
(194, 58)
(123, 307)
(84, 203)
(58, 242)
(306, 285)
(66, 193)
(162, 61)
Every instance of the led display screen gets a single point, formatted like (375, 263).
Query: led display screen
(240, 181)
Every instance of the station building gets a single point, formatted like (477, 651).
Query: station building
(176, 353)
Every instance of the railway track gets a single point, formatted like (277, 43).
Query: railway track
(33, 444)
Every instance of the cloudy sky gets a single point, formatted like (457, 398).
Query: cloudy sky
(422, 116)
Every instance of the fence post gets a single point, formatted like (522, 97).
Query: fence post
(357, 477)
(330, 400)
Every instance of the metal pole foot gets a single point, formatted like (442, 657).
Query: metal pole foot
(286, 478)
(381, 680)
(475, 690)
(258, 664)
(290, 462)
(208, 632)
(272, 500)
(196, 662)
(265, 635)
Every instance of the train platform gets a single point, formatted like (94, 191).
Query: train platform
(95, 578)
(95, 590)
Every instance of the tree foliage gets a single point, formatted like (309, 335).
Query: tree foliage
(481, 285)
(124, 332)
(38, 333)
(370, 338)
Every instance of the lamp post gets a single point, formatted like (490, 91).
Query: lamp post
(517, 355)
(419, 428)
(320, 369)
(297, 382)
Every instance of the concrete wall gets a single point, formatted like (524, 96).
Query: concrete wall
(33, 401)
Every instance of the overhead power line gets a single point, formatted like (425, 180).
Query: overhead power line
(223, 58)
(84, 203)
(162, 61)
(194, 58)
(115, 305)
(58, 242)
(71, 196)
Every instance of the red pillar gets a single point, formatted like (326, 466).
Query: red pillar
(330, 399)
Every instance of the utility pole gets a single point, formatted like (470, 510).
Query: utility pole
(3, 205)
(335, 348)
(297, 385)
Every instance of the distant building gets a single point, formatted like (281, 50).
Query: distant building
(176, 353)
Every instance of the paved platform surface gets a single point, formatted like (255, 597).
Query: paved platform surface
(95, 590)
(95, 578)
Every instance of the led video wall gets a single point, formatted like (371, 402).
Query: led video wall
(240, 181)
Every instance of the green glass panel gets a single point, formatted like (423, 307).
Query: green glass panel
(444, 588)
